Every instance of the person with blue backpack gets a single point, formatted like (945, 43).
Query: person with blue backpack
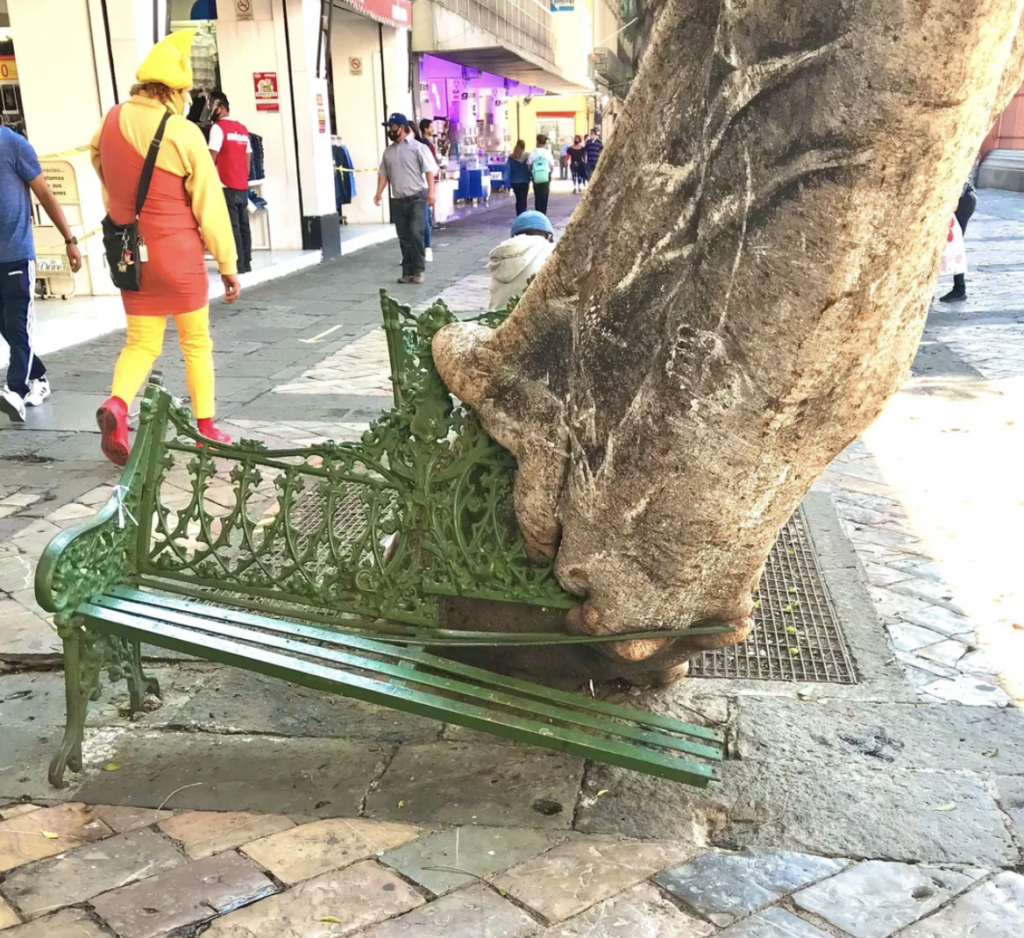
(541, 162)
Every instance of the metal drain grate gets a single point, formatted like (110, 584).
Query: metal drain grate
(796, 636)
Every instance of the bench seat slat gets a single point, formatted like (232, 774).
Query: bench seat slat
(388, 693)
(219, 613)
(456, 683)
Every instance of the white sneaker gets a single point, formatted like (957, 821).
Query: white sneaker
(38, 391)
(12, 405)
(429, 255)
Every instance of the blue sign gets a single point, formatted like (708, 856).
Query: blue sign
(563, 6)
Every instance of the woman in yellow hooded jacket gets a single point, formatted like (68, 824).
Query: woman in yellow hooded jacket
(185, 196)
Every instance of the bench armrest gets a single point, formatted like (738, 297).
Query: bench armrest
(94, 554)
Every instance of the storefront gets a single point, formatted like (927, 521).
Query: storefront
(369, 75)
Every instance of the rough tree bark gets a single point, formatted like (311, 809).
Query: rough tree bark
(741, 290)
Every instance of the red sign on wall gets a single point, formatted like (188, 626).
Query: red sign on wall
(265, 86)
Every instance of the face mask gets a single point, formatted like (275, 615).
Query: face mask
(393, 136)
(180, 102)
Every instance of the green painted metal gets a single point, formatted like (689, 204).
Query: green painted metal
(445, 699)
(359, 538)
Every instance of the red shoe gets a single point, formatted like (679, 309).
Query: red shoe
(207, 429)
(112, 419)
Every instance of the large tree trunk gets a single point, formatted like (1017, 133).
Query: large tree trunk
(741, 290)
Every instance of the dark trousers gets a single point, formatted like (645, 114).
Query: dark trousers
(410, 218)
(17, 318)
(238, 209)
(590, 170)
(426, 222)
(964, 210)
(522, 190)
(541, 190)
(579, 174)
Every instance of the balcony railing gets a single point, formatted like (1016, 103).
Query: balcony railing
(523, 24)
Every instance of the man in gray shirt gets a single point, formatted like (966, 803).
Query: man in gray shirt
(405, 165)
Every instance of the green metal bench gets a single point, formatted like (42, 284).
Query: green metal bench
(325, 565)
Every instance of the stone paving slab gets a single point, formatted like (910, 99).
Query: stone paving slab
(434, 860)
(27, 750)
(489, 784)
(812, 807)
(240, 702)
(993, 910)
(877, 899)
(568, 879)
(773, 923)
(641, 912)
(355, 897)
(38, 698)
(8, 917)
(944, 738)
(220, 773)
(1011, 799)
(121, 820)
(204, 833)
(321, 846)
(185, 896)
(724, 887)
(67, 923)
(81, 874)
(477, 912)
(47, 832)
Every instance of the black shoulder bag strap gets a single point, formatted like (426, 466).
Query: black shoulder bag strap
(122, 244)
(149, 166)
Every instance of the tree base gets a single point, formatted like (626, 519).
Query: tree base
(569, 666)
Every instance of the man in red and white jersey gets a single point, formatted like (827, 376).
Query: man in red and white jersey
(232, 152)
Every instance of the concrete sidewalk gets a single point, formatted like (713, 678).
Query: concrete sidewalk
(253, 809)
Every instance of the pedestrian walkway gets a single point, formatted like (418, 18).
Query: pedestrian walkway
(253, 809)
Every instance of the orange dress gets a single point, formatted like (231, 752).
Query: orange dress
(174, 279)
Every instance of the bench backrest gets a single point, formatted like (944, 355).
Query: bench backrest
(420, 507)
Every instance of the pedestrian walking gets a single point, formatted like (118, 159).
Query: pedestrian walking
(184, 197)
(232, 152)
(406, 164)
(563, 160)
(427, 133)
(517, 176)
(964, 210)
(541, 163)
(20, 175)
(594, 147)
(515, 262)
(578, 164)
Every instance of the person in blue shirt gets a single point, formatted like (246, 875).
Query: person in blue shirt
(20, 174)
(594, 146)
(517, 176)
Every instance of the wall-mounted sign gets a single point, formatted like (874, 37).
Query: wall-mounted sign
(243, 9)
(8, 68)
(62, 180)
(321, 117)
(563, 6)
(265, 85)
(355, 65)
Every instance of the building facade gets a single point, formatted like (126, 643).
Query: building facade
(306, 77)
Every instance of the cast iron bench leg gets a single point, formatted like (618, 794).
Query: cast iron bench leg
(139, 683)
(77, 692)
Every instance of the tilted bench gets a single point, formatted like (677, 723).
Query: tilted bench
(324, 566)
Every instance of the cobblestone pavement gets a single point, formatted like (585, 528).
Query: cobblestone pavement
(247, 808)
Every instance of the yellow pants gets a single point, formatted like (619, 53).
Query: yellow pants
(143, 347)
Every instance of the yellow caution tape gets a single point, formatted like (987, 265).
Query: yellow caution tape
(64, 153)
(344, 169)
